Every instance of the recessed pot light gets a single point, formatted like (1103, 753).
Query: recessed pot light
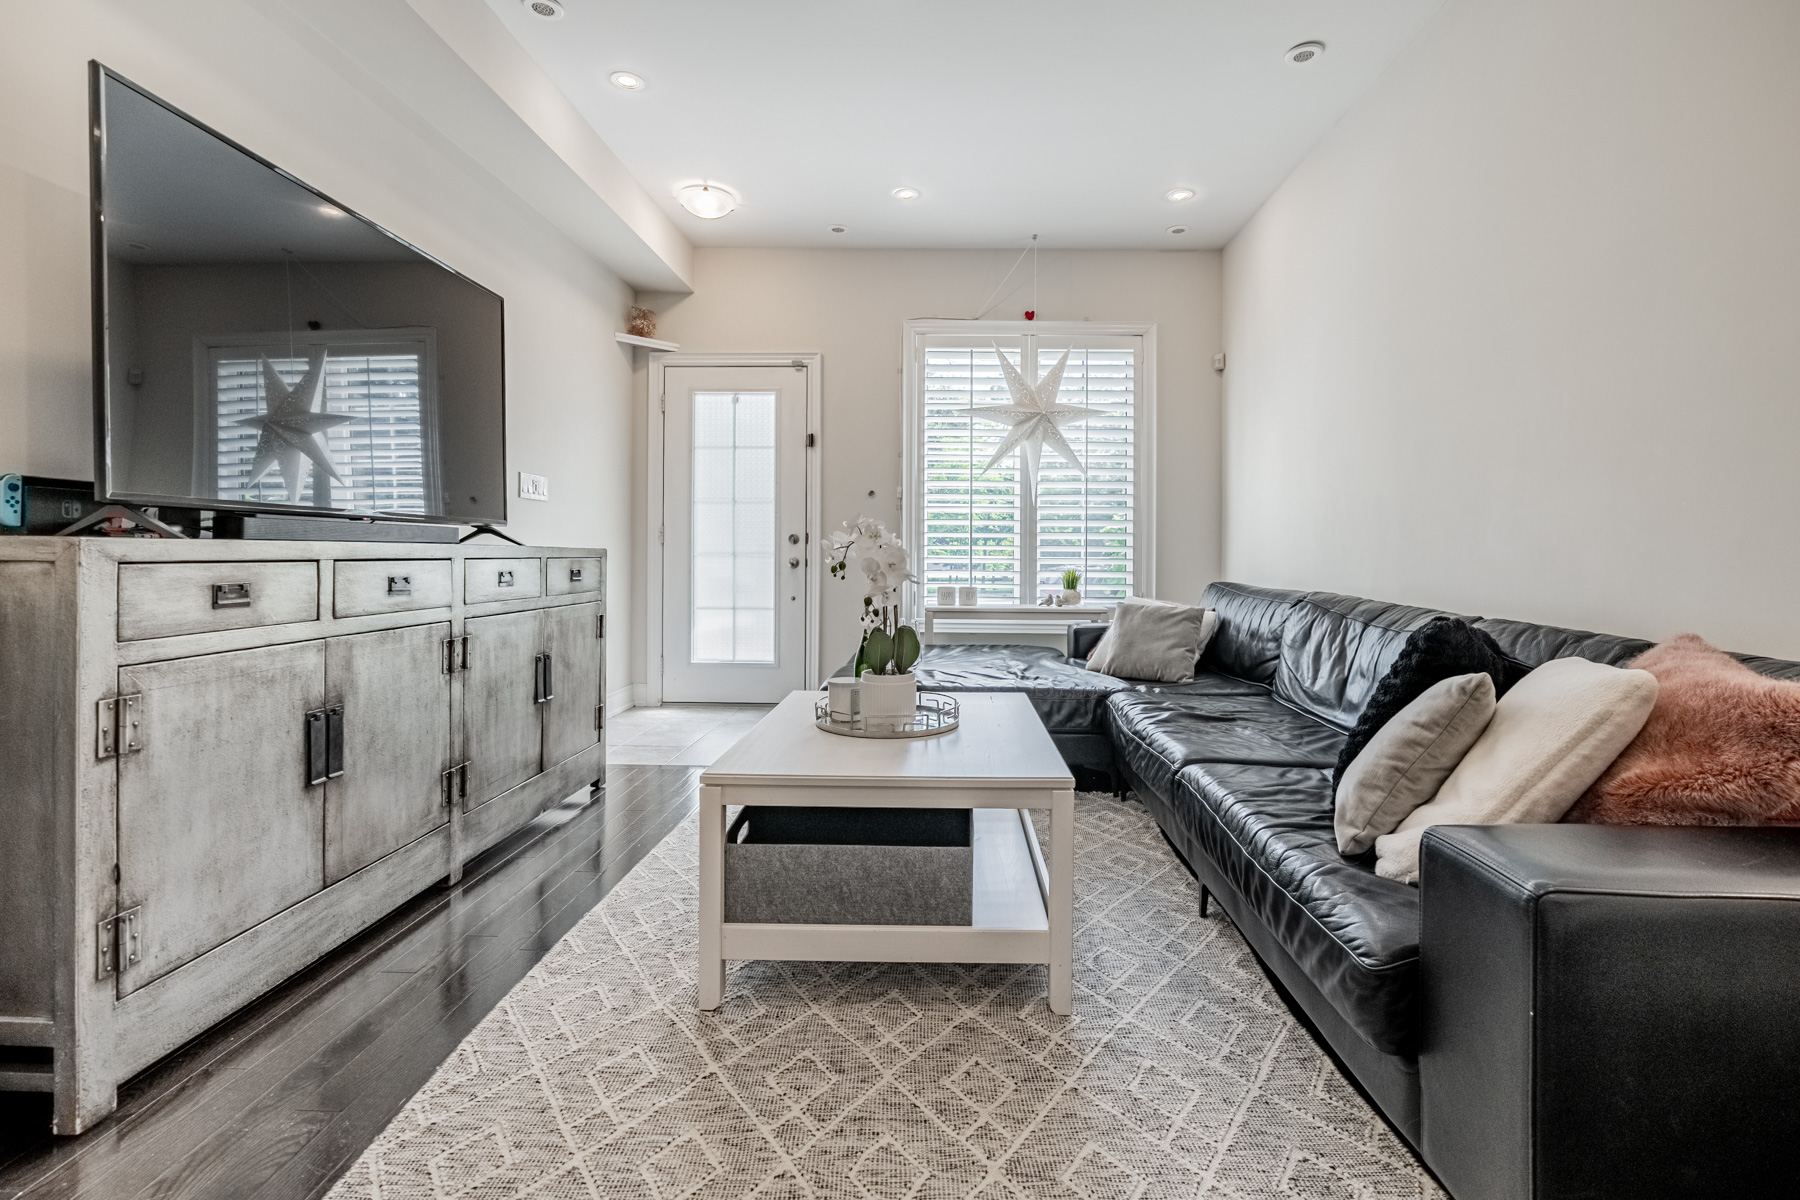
(1177, 195)
(627, 81)
(839, 229)
(1178, 229)
(906, 193)
(1304, 53)
(550, 10)
(708, 201)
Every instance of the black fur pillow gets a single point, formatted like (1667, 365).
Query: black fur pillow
(1440, 649)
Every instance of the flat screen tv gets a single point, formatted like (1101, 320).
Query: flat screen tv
(259, 346)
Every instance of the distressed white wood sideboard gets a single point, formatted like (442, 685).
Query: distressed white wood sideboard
(218, 760)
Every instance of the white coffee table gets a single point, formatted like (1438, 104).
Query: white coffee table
(998, 763)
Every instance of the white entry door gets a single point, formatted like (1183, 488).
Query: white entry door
(734, 545)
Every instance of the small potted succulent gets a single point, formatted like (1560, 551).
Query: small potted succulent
(884, 661)
(1071, 581)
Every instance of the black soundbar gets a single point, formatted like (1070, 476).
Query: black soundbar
(282, 528)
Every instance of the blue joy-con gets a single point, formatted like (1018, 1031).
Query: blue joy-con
(12, 502)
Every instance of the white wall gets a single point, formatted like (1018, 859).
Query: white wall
(1522, 337)
(568, 382)
(850, 305)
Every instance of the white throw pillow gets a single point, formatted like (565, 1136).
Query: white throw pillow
(1153, 639)
(1408, 759)
(1552, 735)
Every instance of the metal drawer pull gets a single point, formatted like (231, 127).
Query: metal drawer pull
(231, 595)
(544, 688)
(574, 574)
(506, 579)
(399, 585)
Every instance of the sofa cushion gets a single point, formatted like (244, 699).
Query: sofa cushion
(1156, 734)
(1269, 831)
(1247, 643)
(1068, 698)
(1335, 649)
(1442, 648)
(1535, 645)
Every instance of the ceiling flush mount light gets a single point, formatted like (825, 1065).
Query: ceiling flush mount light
(1304, 53)
(1177, 195)
(550, 10)
(1178, 229)
(906, 193)
(839, 229)
(627, 81)
(708, 201)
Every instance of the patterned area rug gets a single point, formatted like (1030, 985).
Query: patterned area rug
(1180, 1074)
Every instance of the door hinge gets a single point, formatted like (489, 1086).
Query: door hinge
(324, 744)
(455, 783)
(811, 440)
(456, 654)
(120, 726)
(659, 535)
(121, 942)
(599, 716)
(662, 402)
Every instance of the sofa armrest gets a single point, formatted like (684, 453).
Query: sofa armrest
(1609, 1011)
(1084, 637)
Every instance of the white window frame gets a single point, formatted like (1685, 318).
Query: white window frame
(916, 334)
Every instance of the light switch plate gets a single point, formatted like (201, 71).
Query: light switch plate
(533, 487)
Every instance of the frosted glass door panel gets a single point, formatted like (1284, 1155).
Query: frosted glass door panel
(734, 581)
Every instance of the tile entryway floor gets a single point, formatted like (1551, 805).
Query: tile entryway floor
(684, 735)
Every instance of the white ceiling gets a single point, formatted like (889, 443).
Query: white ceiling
(1070, 120)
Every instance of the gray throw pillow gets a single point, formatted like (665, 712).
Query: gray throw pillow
(1408, 759)
(1153, 639)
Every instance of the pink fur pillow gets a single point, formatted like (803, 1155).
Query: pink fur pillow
(1721, 747)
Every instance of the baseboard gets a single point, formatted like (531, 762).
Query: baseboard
(620, 699)
(641, 696)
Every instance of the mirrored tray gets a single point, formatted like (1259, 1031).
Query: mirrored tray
(933, 715)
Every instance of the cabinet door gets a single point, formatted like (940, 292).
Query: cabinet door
(502, 729)
(396, 698)
(218, 829)
(571, 717)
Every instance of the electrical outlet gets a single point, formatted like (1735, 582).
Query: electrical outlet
(533, 487)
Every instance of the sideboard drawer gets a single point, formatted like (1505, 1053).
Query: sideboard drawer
(569, 576)
(487, 579)
(167, 599)
(390, 585)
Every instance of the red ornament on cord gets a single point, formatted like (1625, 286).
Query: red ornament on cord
(1031, 314)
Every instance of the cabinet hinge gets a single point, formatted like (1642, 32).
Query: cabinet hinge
(119, 726)
(599, 716)
(456, 654)
(600, 625)
(121, 942)
(455, 783)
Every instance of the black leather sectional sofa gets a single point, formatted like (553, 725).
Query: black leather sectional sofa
(1558, 1011)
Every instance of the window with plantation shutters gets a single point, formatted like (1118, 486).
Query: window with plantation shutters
(981, 526)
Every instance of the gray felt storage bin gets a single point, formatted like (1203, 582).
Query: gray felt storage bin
(842, 866)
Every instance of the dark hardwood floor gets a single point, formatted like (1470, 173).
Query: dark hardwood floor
(276, 1103)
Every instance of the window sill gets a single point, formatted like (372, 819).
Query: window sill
(1010, 618)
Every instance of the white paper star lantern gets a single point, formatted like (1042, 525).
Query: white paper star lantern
(291, 427)
(1036, 418)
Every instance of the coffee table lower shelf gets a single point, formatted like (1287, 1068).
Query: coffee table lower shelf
(1010, 921)
(1013, 902)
